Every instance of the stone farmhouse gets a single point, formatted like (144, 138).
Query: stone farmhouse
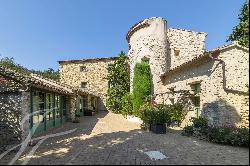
(29, 102)
(214, 83)
(216, 80)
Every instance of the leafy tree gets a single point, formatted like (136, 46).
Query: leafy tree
(10, 63)
(127, 105)
(141, 84)
(241, 31)
(118, 76)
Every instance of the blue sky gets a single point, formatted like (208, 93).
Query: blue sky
(39, 33)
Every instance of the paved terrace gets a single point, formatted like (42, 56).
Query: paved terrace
(109, 138)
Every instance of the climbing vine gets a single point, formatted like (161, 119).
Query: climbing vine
(141, 84)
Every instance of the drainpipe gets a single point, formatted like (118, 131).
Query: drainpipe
(224, 76)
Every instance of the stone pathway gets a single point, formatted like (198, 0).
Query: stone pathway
(111, 139)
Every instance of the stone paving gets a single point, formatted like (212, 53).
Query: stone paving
(110, 139)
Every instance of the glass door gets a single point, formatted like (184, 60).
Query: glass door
(38, 118)
(49, 110)
(58, 110)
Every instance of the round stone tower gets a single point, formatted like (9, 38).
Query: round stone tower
(148, 39)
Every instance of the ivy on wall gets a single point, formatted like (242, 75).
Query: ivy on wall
(141, 84)
(118, 77)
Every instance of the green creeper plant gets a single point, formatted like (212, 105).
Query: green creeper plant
(141, 84)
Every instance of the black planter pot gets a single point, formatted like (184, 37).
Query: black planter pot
(158, 128)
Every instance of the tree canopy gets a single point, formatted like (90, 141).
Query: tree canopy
(241, 31)
(10, 63)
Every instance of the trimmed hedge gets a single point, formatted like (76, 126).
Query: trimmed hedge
(141, 85)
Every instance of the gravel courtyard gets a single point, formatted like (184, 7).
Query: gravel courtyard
(108, 138)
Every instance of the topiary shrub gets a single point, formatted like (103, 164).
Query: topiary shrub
(141, 85)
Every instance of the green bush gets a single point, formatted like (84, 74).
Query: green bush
(223, 135)
(188, 131)
(231, 136)
(160, 114)
(147, 114)
(127, 105)
(177, 112)
(200, 122)
(118, 77)
(141, 85)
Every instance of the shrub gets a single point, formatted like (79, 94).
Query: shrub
(160, 114)
(200, 122)
(177, 112)
(147, 114)
(188, 131)
(223, 135)
(127, 105)
(141, 84)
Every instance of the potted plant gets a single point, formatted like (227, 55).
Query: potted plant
(160, 119)
(156, 118)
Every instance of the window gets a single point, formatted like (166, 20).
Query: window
(83, 69)
(83, 84)
(38, 106)
(196, 88)
(196, 100)
(176, 52)
(49, 106)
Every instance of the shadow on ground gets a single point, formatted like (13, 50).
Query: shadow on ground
(128, 147)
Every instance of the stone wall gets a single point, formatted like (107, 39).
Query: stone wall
(95, 76)
(152, 39)
(147, 39)
(189, 43)
(221, 105)
(25, 112)
(10, 113)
